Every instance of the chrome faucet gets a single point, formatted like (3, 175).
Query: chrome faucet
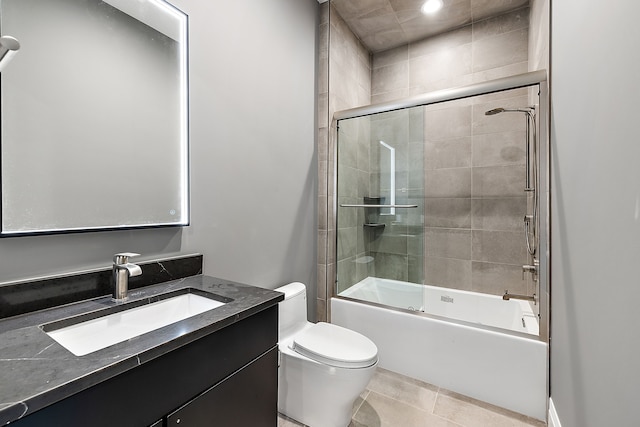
(507, 296)
(122, 270)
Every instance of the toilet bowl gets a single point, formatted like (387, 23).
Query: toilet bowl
(323, 367)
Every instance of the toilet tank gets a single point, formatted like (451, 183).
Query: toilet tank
(293, 310)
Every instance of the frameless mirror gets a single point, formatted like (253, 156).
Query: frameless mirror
(94, 116)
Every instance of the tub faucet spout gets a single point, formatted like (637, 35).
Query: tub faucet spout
(122, 270)
(507, 296)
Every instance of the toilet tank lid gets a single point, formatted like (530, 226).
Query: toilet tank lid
(336, 346)
(292, 289)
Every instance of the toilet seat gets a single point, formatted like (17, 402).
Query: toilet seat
(335, 346)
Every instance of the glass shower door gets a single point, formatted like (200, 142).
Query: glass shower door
(438, 209)
(380, 199)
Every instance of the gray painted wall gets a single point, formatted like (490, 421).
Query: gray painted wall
(595, 344)
(253, 157)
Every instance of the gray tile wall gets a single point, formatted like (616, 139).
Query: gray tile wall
(344, 81)
(473, 168)
(324, 259)
(353, 186)
(474, 194)
(488, 49)
(473, 164)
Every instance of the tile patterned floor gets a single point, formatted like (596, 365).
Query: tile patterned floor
(393, 400)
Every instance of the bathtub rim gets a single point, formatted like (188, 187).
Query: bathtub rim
(446, 319)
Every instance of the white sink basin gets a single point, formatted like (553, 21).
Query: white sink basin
(92, 335)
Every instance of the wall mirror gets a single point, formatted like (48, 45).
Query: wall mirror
(94, 116)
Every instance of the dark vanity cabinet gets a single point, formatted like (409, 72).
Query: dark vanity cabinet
(226, 378)
(240, 400)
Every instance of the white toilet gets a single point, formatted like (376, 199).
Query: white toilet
(323, 367)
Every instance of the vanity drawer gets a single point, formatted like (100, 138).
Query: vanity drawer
(249, 397)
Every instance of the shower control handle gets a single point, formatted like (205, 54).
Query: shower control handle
(533, 269)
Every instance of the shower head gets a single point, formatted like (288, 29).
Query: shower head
(8, 47)
(494, 111)
(508, 110)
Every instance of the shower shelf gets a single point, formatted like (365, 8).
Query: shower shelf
(374, 226)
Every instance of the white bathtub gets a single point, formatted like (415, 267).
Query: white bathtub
(502, 368)
(483, 309)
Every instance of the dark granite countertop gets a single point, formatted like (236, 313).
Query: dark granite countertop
(36, 371)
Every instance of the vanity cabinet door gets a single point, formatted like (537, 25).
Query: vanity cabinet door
(249, 397)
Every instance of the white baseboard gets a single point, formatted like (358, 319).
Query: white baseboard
(554, 421)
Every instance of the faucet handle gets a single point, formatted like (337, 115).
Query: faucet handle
(123, 257)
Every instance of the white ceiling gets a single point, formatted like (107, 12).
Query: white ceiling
(384, 24)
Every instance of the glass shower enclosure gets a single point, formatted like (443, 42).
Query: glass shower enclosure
(380, 198)
(438, 209)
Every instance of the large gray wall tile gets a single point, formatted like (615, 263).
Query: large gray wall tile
(377, 98)
(346, 270)
(501, 50)
(389, 78)
(500, 72)
(391, 266)
(449, 123)
(505, 247)
(415, 269)
(447, 212)
(448, 243)
(416, 124)
(347, 217)
(390, 128)
(450, 153)
(347, 150)
(498, 181)
(416, 165)
(347, 182)
(347, 242)
(481, 9)
(501, 148)
(493, 278)
(448, 272)
(440, 64)
(389, 243)
(505, 214)
(443, 42)
(449, 183)
(505, 23)
(415, 240)
(391, 56)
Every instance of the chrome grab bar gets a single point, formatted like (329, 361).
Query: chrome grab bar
(345, 205)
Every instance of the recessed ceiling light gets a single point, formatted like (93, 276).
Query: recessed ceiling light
(431, 6)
